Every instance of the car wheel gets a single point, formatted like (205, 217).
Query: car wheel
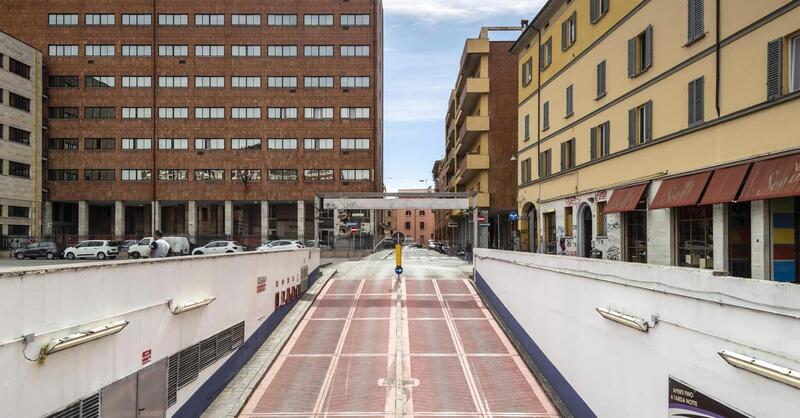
(229, 252)
(101, 256)
(70, 256)
(20, 256)
(134, 255)
(198, 253)
(50, 256)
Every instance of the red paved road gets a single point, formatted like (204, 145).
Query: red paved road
(360, 334)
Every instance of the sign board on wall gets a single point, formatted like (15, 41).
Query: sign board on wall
(688, 402)
(261, 284)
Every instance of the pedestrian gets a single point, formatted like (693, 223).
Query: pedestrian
(468, 253)
(159, 248)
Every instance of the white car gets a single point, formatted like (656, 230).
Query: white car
(92, 249)
(219, 247)
(280, 245)
(177, 246)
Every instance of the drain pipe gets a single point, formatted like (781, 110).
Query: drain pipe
(718, 58)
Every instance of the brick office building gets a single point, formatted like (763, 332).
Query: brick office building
(204, 119)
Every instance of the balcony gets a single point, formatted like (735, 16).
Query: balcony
(471, 93)
(472, 128)
(470, 166)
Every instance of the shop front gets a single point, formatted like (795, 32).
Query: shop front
(631, 204)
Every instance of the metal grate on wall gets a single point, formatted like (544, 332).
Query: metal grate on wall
(85, 408)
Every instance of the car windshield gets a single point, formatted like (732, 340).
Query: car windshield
(144, 241)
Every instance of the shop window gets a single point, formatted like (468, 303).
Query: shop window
(695, 237)
(568, 228)
(601, 219)
(636, 234)
(785, 240)
(550, 242)
(739, 259)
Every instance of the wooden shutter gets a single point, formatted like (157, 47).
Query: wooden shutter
(648, 49)
(632, 127)
(691, 104)
(572, 152)
(699, 99)
(546, 116)
(593, 12)
(563, 156)
(528, 170)
(648, 129)
(601, 79)
(696, 19)
(593, 142)
(541, 56)
(564, 34)
(569, 100)
(607, 139)
(632, 57)
(774, 69)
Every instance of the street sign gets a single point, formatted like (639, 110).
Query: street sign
(481, 219)
(398, 270)
(513, 216)
(354, 229)
(452, 225)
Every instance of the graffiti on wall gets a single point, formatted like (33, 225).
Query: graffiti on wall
(613, 253)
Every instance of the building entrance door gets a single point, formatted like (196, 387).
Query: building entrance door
(586, 232)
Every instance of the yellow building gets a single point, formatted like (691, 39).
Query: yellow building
(663, 131)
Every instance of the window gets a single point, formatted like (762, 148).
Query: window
(546, 116)
(569, 100)
(136, 143)
(62, 143)
(246, 143)
(569, 229)
(62, 50)
(173, 143)
(246, 113)
(601, 80)
(794, 64)
(104, 144)
(318, 50)
(569, 29)
(355, 20)
(137, 113)
(696, 24)
(137, 50)
(173, 50)
(635, 231)
(356, 175)
(19, 169)
(601, 220)
(173, 81)
(640, 124)
(640, 52)
(209, 50)
(245, 82)
(99, 19)
(282, 175)
(62, 175)
(318, 143)
(209, 113)
(209, 20)
(696, 93)
(136, 19)
(100, 113)
(526, 129)
(173, 19)
(318, 20)
(354, 144)
(545, 166)
(135, 175)
(19, 136)
(568, 154)
(19, 230)
(246, 50)
(408, 225)
(318, 113)
(209, 175)
(310, 175)
(317, 82)
(525, 171)
(354, 82)
(246, 20)
(354, 50)
(63, 81)
(209, 82)
(172, 175)
(19, 102)
(282, 82)
(281, 20)
(100, 81)
(282, 50)
(600, 140)
(355, 113)
(19, 68)
(695, 232)
(546, 53)
(209, 144)
(173, 112)
(100, 50)
(527, 72)
(246, 175)
(60, 19)
(62, 113)
(597, 9)
(136, 81)
(282, 113)
(282, 143)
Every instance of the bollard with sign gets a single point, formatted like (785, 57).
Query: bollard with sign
(398, 259)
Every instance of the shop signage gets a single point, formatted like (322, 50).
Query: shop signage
(261, 284)
(688, 402)
(572, 201)
(601, 196)
(452, 225)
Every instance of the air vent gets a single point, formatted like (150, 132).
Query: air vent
(90, 62)
(237, 335)
(345, 152)
(292, 90)
(187, 365)
(181, 61)
(85, 408)
(208, 352)
(172, 380)
(345, 90)
(223, 343)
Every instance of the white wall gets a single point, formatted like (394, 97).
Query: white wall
(620, 372)
(55, 302)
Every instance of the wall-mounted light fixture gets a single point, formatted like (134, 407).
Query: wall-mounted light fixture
(81, 337)
(188, 306)
(627, 320)
(762, 368)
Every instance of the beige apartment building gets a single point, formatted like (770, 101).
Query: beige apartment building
(20, 137)
(664, 132)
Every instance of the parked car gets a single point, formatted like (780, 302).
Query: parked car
(219, 247)
(410, 243)
(431, 244)
(177, 246)
(280, 245)
(322, 245)
(92, 249)
(125, 245)
(48, 250)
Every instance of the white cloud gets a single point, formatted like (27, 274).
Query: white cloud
(472, 10)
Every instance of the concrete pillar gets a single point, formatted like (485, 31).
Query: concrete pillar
(373, 223)
(660, 233)
(264, 220)
(336, 224)
(156, 216)
(83, 219)
(720, 231)
(301, 220)
(119, 219)
(228, 218)
(191, 219)
(759, 240)
(47, 219)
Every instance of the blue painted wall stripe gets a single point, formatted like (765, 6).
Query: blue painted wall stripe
(576, 405)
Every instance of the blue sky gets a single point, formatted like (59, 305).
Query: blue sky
(423, 44)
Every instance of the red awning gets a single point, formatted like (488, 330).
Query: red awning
(625, 199)
(725, 185)
(771, 179)
(681, 191)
